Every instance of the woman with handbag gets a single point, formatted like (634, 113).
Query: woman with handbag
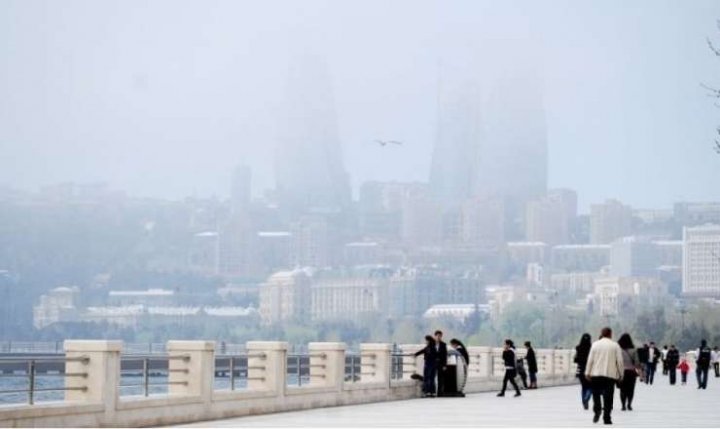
(631, 365)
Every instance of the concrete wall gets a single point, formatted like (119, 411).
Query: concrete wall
(96, 401)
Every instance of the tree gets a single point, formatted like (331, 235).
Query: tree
(714, 92)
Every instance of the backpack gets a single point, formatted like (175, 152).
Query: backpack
(704, 357)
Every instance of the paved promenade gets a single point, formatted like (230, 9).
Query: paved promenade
(659, 405)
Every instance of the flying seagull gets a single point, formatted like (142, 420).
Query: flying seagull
(387, 142)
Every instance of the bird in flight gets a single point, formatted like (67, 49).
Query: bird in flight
(387, 142)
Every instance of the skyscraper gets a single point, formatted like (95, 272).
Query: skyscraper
(491, 139)
(309, 168)
(609, 221)
(454, 159)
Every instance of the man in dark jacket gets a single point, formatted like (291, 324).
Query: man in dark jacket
(440, 361)
(702, 362)
(531, 364)
(672, 359)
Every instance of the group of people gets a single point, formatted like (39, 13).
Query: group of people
(435, 356)
(603, 364)
(514, 367)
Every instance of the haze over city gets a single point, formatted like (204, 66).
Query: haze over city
(219, 209)
(165, 98)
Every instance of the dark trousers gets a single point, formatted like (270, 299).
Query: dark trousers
(683, 377)
(665, 368)
(585, 389)
(649, 373)
(429, 372)
(440, 378)
(510, 376)
(627, 387)
(673, 375)
(603, 390)
(702, 376)
(716, 366)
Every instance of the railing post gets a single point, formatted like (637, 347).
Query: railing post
(267, 366)
(481, 362)
(191, 369)
(101, 364)
(327, 364)
(375, 361)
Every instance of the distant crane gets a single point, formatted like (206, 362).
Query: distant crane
(387, 142)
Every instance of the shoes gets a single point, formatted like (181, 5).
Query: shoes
(623, 408)
(596, 418)
(501, 394)
(607, 421)
(629, 407)
(586, 405)
(517, 394)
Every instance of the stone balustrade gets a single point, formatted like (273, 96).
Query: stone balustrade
(93, 398)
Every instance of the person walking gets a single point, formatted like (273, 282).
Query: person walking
(604, 368)
(429, 353)
(704, 357)
(684, 368)
(663, 357)
(651, 363)
(531, 360)
(643, 354)
(631, 366)
(672, 359)
(510, 362)
(716, 361)
(582, 350)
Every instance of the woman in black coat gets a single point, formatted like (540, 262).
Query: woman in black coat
(531, 364)
(582, 350)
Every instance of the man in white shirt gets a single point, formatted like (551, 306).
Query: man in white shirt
(604, 369)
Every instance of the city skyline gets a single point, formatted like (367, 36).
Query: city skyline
(186, 112)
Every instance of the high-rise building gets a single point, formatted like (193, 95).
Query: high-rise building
(512, 157)
(634, 257)
(580, 257)
(546, 220)
(285, 296)
(701, 260)
(453, 172)
(483, 222)
(421, 223)
(309, 168)
(609, 221)
(491, 138)
(310, 242)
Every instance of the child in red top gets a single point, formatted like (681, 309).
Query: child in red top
(684, 369)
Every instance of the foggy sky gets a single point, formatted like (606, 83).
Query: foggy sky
(163, 98)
